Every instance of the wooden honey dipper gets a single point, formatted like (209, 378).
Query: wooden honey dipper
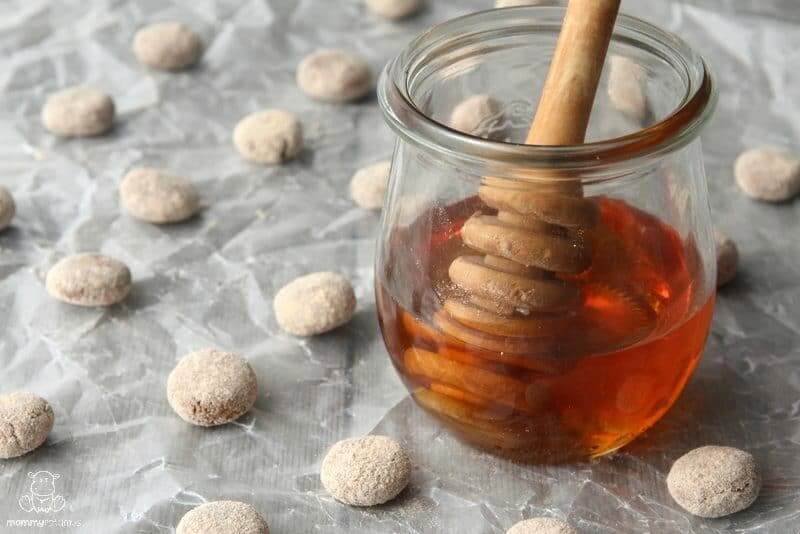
(538, 231)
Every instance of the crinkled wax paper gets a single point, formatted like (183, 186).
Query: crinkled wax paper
(126, 463)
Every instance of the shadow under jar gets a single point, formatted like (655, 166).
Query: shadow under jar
(545, 303)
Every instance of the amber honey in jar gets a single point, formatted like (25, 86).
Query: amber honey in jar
(544, 303)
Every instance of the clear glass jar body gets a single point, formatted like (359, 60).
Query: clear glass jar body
(544, 303)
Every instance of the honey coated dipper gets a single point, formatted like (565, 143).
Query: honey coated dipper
(538, 231)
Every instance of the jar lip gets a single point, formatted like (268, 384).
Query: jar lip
(672, 132)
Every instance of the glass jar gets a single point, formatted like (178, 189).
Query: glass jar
(545, 303)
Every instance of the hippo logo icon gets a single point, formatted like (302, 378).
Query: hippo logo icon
(42, 497)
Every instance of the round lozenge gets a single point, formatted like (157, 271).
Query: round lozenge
(211, 387)
(727, 258)
(768, 173)
(472, 115)
(368, 185)
(366, 471)
(155, 196)
(25, 421)
(542, 525)
(335, 76)
(8, 207)
(314, 304)
(78, 112)
(228, 517)
(89, 280)
(394, 9)
(167, 46)
(272, 136)
(714, 481)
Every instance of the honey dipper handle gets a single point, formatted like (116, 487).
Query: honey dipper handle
(566, 102)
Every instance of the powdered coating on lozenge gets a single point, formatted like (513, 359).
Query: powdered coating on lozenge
(368, 185)
(271, 136)
(714, 481)
(167, 46)
(394, 9)
(727, 258)
(472, 114)
(25, 421)
(768, 173)
(314, 304)
(336, 76)
(223, 517)
(89, 280)
(155, 196)
(365, 471)
(78, 112)
(7, 207)
(542, 525)
(211, 387)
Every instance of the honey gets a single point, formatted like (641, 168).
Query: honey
(576, 384)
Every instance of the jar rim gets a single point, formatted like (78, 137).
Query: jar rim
(672, 132)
